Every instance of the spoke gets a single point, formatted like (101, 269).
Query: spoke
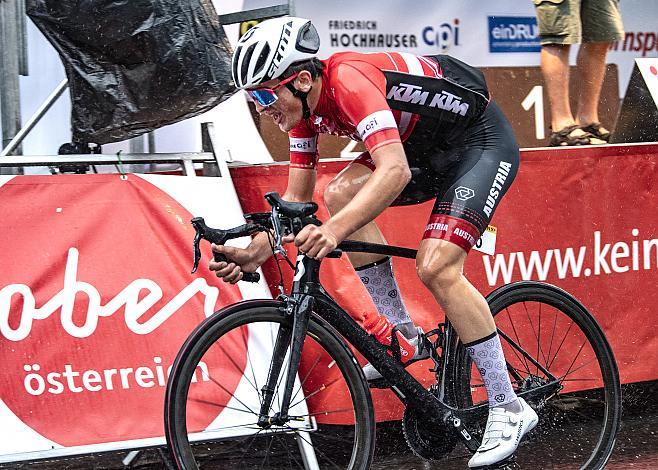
(308, 374)
(550, 344)
(282, 374)
(323, 413)
(577, 369)
(568, 415)
(521, 358)
(218, 405)
(518, 340)
(318, 451)
(317, 436)
(577, 380)
(237, 367)
(251, 365)
(557, 351)
(574, 359)
(253, 438)
(229, 393)
(290, 455)
(267, 452)
(322, 387)
(236, 426)
(534, 332)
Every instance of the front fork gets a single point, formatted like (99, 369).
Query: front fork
(298, 306)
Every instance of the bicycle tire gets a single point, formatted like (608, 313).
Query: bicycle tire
(583, 445)
(230, 324)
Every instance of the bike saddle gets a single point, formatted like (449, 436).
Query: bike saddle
(291, 209)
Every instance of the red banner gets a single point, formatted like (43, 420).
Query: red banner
(582, 219)
(96, 298)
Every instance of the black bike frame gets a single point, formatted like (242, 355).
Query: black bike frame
(308, 296)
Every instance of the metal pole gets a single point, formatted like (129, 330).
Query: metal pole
(36, 117)
(10, 110)
(21, 21)
(151, 142)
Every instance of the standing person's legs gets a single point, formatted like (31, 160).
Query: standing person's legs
(560, 27)
(591, 70)
(555, 69)
(602, 25)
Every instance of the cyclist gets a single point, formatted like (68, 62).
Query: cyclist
(432, 132)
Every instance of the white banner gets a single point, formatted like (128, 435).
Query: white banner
(480, 33)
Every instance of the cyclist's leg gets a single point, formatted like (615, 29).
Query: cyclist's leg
(341, 190)
(485, 166)
(373, 269)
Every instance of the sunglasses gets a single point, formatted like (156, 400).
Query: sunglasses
(267, 96)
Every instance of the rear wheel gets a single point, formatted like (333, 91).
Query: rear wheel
(215, 391)
(550, 340)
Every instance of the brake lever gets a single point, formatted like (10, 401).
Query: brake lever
(200, 227)
(219, 237)
(278, 232)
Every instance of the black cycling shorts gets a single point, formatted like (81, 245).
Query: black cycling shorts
(468, 179)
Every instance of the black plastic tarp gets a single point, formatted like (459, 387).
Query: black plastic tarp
(136, 65)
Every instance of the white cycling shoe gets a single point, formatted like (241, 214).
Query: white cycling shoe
(422, 352)
(502, 435)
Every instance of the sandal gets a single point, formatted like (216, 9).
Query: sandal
(597, 130)
(568, 136)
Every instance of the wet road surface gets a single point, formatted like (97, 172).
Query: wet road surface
(636, 447)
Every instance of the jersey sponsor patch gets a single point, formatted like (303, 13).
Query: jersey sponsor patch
(433, 97)
(303, 144)
(375, 122)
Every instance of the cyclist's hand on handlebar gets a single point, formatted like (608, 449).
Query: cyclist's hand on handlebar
(316, 242)
(240, 261)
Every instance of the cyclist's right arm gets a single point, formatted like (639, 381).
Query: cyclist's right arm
(301, 184)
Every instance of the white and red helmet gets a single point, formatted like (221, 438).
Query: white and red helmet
(265, 51)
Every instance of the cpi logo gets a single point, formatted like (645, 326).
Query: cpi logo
(443, 36)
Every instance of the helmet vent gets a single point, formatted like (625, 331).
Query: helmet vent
(246, 60)
(260, 63)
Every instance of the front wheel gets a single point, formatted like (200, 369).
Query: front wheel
(551, 342)
(215, 392)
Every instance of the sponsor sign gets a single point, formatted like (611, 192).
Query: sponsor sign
(513, 34)
(96, 298)
(600, 249)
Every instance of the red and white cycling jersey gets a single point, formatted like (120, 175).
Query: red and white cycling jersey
(353, 103)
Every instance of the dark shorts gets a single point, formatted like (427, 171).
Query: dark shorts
(467, 180)
(578, 21)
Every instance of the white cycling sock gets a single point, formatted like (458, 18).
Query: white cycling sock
(380, 282)
(487, 353)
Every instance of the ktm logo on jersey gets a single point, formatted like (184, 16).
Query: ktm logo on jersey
(414, 94)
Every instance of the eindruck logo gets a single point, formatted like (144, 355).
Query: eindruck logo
(513, 34)
(414, 94)
(463, 193)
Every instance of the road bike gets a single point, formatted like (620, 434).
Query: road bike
(277, 383)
